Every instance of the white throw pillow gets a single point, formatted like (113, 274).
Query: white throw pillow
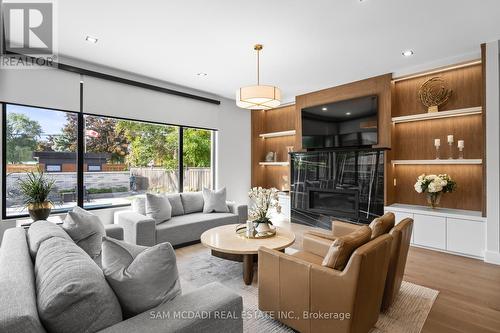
(139, 204)
(158, 208)
(86, 230)
(141, 277)
(215, 201)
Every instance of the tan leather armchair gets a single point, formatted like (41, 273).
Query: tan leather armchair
(318, 242)
(298, 291)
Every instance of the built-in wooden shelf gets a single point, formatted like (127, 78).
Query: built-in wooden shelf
(443, 212)
(438, 115)
(277, 134)
(275, 163)
(440, 161)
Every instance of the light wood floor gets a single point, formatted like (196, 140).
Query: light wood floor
(469, 289)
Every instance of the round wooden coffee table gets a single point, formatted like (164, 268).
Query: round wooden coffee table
(226, 244)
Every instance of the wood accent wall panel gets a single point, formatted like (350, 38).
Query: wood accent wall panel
(415, 140)
(468, 177)
(379, 85)
(275, 120)
(483, 97)
(465, 82)
(257, 146)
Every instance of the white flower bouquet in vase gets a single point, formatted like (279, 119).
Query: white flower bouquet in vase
(434, 186)
(263, 201)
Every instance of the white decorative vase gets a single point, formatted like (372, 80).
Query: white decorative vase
(262, 227)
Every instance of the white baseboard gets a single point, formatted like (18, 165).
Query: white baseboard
(492, 257)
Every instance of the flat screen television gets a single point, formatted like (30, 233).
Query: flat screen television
(348, 123)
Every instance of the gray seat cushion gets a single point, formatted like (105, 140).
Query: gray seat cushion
(86, 229)
(176, 203)
(18, 311)
(72, 293)
(40, 231)
(192, 202)
(141, 277)
(189, 227)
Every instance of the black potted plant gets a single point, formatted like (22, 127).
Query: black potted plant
(35, 188)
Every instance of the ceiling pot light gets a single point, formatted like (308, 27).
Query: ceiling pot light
(347, 113)
(408, 53)
(258, 97)
(201, 74)
(324, 109)
(90, 39)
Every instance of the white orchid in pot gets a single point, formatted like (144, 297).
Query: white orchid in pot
(434, 186)
(263, 201)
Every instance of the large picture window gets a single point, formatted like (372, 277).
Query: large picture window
(121, 158)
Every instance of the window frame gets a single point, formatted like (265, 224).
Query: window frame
(80, 155)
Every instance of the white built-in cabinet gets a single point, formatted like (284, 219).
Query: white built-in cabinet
(451, 230)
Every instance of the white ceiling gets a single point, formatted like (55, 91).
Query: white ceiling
(308, 45)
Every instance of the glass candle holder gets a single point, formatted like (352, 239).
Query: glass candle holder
(461, 153)
(450, 150)
(437, 152)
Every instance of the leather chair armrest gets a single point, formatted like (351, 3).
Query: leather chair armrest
(137, 229)
(340, 228)
(240, 210)
(321, 233)
(318, 245)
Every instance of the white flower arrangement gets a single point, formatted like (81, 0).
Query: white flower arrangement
(435, 184)
(263, 200)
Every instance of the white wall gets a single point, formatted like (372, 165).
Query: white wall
(492, 253)
(232, 123)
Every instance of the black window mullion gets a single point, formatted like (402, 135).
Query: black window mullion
(181, 159)
(4, 161)
(80, 151)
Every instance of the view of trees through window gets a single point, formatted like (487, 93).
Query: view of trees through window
(122, 158)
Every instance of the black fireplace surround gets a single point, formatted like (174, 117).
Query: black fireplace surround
(342, 184)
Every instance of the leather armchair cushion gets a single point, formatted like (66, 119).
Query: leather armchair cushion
(382, 225)
(341, 249)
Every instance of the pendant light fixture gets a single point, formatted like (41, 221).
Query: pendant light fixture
(258, 97)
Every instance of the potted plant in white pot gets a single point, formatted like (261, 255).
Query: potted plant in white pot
(434, 186)
(35, 189)
(264, 200)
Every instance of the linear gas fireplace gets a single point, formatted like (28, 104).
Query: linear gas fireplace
(345, 185)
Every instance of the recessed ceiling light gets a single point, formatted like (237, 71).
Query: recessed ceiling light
(347, 113)
(408, 53)
(324, 109)
(201, 74)
(90, 39)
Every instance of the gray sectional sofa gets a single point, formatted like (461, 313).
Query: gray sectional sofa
(186, 225)
(34, 269)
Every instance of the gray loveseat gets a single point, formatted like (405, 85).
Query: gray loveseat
(20, 277)
(185, 227)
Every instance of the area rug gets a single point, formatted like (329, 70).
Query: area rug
(197, 267)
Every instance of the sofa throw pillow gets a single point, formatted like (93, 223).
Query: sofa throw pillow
(214, 201)
(341, 249)
(40, 231)
(192, 202)
(176, 203)
(141, 277)
(139, 204)
(382, 225)
(86, 230)
(158, 208)
(72, 294)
